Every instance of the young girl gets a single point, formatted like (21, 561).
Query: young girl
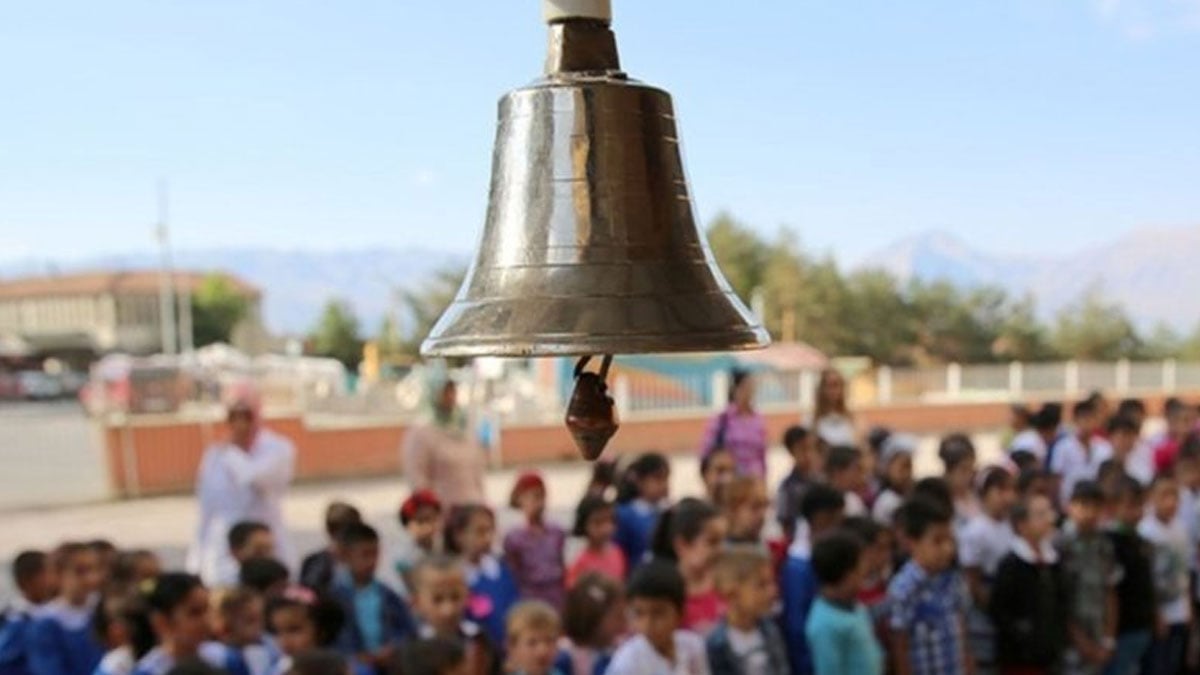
(61, 639)
(113, 627)
(716, 468)
(982, 544)
(896, 481)
(594, 521)
(644, 488)
(534, 553)
(957, 453)
(690, 534)
(470, 531)
(533, 629)
(594, 621)
(744, 503)
(300, 620)
(174, 626)
(420, 522)
(240, 626)
(879, 561)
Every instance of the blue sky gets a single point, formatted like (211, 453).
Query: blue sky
(1025, 126)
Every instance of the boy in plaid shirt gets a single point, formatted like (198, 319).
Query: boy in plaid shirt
(928, 598)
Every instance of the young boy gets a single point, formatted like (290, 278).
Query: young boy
(440, 596)
(1135, 590)
(377, 618)
(1028, 603)
(1124, 434)
(35, 582)
(316, 571)
(247, 539)
(928, 597)
(1078, 455)
(822, 510)
(840, 630)
(1172, 585)
(61, 639)
(532, 630)
(421, 523)
(846, 472)
(268, 576)
(801, 445)
(240, 627)
(746, 640)
(1090, 568)
(655, 595)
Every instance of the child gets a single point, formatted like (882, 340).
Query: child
(639, 503)
(317, 569)
(534, 553)
(35, 583)
(716, 468)
(1172, 557)
(1077, 456)
(801, 445)
(61, 640)
(247, 539)
(377, 618)
(240, 626)
(595, 522)
(896, 461)
(655, 594)
(928, 598)
(420, 522)
(533, 629)
(1028, 604)
(1124, 436)
(594, 620)
(744, 503)
(440, 597)
(845, 471)
(114, 621)
(822, 510)
(839, 628)
(877, 555)
(957, 453)
(173, 625)
(690, 535)
(301, 620)
(470, 530)
(1091, 571)
(746, 640)
(433, 656)
(268, 576)
(133, 567)
(982, 544)
(1135, 590)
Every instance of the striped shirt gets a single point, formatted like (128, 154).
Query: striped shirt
(930, 609)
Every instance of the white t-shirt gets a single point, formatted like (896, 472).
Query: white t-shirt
(637, 657)
(1074, 462)
(855, 505)
(1029, 441)
(1171, 566)
(984, 542)
(886, 504)
(1140, 463)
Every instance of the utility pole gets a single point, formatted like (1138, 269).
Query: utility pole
(166, 281)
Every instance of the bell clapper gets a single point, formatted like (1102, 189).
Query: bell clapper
(591, 414)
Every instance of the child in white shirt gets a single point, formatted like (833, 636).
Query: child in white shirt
(656, 594)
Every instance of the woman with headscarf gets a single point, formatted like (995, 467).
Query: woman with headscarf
(833, 423)
(241, 479)
(440, 455)
(739, 429)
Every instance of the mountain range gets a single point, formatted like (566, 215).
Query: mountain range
(1154, 273)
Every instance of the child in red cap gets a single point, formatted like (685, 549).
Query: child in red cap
(534, 552)
(420, 536)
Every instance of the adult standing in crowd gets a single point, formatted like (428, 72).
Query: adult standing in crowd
(832, 421)
(739, 428)
(441, 455)
(241, 479)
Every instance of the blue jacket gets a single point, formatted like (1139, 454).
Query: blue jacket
(798, 587)
(395, 617)
(722, 660)
(493, 593)
(61, 642)
(14, 638)
(242, 661)
(635, 526)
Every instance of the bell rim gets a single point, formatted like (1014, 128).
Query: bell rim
(749, 339)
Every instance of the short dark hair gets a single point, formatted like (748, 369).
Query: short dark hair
(1131, 406)
(262, 573)
(241, 532)
(430, 656)
(1123, 422)
(1083, 408)
(1129, 488)
(587, 602)
(835, 556)
(685, 520)
(1087, 492)
(864, 527)
(996, 477)
(934, 488)
(657, 580)
(1028, 476)
(27, 566)
(794, 436)
(357, 533)
(193, 666)
(589, 506)
(1048, 417)
(842, 457)
(339, 514)
(955, 449)
(318, 662)
(919, 514)
(821, 498)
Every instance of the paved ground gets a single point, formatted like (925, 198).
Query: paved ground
(49, 454)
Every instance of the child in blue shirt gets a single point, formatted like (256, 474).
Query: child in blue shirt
(35, 581)
(377, 618)
(241, 627)
(840, 633)
(470, 533)
(644, 487)
(821, 510)
(61, 640)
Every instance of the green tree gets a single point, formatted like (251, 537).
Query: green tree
(337, 334)
(1022, 337)
(424, 305)
(879, 320)
(1092, 329)
(1163, 342)
(740, 252)
(217, 307)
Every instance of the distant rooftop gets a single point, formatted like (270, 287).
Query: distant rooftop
(116, 282)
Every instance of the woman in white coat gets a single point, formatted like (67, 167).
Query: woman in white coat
(241, 479)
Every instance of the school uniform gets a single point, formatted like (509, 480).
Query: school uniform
(482, 653)
(119, 661)
(638, 657)
(376, 615)
(1028, 607)
(636, 520)
(61, 640)
(791, 494)
(255, 659)
(493, 592)
(798, 589)
(1075, 460)
(158, 662)
(316, 571)
(15, 623)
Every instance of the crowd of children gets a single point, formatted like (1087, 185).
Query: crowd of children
(1075, 552)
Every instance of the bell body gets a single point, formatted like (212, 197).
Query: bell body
(590, 244)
